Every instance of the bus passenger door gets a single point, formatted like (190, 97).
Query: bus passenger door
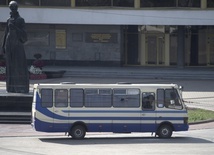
(61, 110)
(148, 114)
(126, 121)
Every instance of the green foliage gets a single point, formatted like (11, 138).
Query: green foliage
(196, 115)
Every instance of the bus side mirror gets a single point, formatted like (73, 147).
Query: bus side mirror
(181, 88)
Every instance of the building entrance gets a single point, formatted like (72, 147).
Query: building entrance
(155, 51)
(131, 45)
(158, 46)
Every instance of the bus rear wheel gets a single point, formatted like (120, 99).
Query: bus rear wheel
(165, 131)
(78, 132)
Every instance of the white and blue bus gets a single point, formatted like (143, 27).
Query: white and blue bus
(120, 108)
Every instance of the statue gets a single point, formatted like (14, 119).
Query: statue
(17, 78)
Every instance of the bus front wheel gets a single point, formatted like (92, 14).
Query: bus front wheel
(78, 132)
(165, 131)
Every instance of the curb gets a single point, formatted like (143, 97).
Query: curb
(201, 122)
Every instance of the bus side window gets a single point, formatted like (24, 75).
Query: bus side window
(160, 98)
(148, 101)
(98, 97)
(76, 97)
(61, 98)
(105, 96)
(126, 98)
(47, 97)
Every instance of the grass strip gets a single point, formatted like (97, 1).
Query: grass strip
(197, 115)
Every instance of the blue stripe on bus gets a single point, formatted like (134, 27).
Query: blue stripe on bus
(120, 111)
(117, 118)
(104, 127)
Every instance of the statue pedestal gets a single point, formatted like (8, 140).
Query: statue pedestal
(15, 107)
(2, 77)
(15, 102)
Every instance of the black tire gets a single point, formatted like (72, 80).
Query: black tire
(165, 131)
(78, 132)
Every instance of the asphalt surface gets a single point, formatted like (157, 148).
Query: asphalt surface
(24, 130)
(21, 140)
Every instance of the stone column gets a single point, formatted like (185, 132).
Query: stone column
(181, 47)
(203, 4)
(73, 4)
(136, 4)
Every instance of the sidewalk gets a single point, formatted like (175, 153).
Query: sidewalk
(136, 72)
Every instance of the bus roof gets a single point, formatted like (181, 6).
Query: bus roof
(98, 85)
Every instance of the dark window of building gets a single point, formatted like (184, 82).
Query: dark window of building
(210, 3)
(189, 3)
(123, 3)
(93, 2)
(47, 97)
(77, 37)
(158, 3)
(76, 97)
(27, 2)
(56, 3)
(3, 2)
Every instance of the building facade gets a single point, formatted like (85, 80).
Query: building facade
(118, 32)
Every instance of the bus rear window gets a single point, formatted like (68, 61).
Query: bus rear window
(47, 97)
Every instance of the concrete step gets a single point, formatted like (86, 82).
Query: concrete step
(136, 72)
(15, 117)
(150, 75)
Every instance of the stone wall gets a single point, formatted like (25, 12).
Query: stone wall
(70, 44)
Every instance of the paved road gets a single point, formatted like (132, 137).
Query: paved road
(24, 130)
(21, 139)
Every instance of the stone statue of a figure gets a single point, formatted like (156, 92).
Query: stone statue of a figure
(17, 78)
